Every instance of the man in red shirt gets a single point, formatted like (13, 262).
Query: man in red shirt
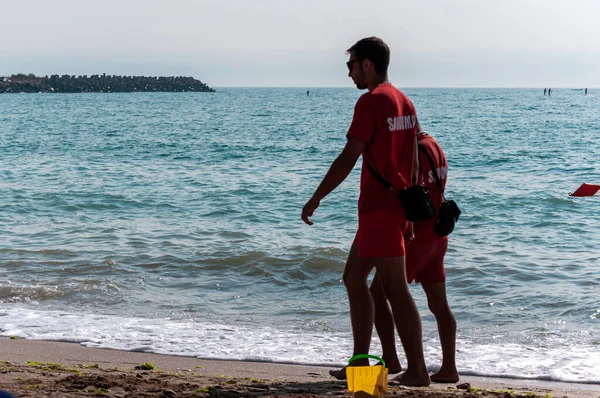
(383, 131)
(425, 264)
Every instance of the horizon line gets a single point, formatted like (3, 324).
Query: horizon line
(424, 87)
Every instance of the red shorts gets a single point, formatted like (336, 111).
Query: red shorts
(425, 259)
(380, 235)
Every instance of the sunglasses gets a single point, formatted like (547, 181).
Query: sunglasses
(349, 64)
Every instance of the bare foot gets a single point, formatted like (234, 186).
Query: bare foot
(394, 367)
(445, 376)
(339, 374)
(412, 379)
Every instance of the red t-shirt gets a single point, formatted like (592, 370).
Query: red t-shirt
(385, 119)
(427, 178)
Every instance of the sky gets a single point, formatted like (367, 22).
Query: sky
(302, 43)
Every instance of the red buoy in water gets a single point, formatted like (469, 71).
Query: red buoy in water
(586, 190)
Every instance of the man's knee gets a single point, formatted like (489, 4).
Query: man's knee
(379, 297)
(439, 307)
(356, 271)
(392, 272)
(353, 278)
(436, 298)
(347, 278)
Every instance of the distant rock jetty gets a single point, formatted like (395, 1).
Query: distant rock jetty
(22, 83)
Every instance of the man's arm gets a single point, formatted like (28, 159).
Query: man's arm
(339, 170)
(415, 173)
(410, 231)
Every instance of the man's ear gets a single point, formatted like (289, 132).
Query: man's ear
(367, 64)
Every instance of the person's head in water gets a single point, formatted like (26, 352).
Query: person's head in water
(368, 63)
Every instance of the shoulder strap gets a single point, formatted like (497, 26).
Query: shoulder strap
(378, 177)
(433, 168)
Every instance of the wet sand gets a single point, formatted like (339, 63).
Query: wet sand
(31, 368)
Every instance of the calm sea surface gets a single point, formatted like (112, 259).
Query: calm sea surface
(170, 223)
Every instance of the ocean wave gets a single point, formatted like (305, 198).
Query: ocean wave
(526, 360)
(39, 294)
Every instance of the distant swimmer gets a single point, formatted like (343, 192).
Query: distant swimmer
(549, 91)
(544, 91)
(307, 92)
(586, 91)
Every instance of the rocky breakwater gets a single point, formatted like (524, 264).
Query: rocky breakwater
(22, 83)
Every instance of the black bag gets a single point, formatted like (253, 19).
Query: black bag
(415, 200)
(447, 218)
(449, 211)
(417, 203)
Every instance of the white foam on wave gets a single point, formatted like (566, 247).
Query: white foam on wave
(575, 363)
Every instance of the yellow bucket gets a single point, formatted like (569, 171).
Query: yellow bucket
(367, 381)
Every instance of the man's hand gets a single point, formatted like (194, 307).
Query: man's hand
(339, 170)
(410, 233)
(308, 210)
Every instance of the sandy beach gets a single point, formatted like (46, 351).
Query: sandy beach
(55, 369)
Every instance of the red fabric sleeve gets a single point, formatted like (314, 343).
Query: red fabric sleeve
(364, 120)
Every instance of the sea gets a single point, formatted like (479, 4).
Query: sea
(170, 223)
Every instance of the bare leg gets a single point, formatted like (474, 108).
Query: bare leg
(438, 304)
(355, 277)
(384, 324)
(392, 273)
(361, 304)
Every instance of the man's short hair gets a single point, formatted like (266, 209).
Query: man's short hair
(375, 50)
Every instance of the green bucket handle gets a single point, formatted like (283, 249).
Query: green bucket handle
(361, 356)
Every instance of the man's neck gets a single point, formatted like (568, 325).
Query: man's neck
(376, 82)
